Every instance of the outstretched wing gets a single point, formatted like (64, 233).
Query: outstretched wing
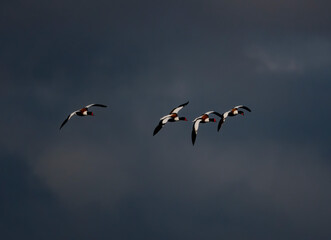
(195, 129)
(217, 114)
(243, 107)
(213, 112)
(162, 122)
(222, 120)
(68, 118)
(177, 109)
(95, 105)
(158, 128)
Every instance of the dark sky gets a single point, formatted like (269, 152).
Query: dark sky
(266, 175)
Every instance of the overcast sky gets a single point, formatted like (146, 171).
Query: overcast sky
(266, 175)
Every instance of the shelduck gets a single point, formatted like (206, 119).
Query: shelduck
(171, 117)
(204, 118)
(82, 112)
(233, 112)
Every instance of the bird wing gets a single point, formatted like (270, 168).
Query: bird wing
(220, 123)
(243, 107)
(197, 118)
(165, 119)
(177, 109)
(213, 112)
(158, 128)
(222, 120)
(68, 118)
(195, 129)
(162, 122)
(95, 105)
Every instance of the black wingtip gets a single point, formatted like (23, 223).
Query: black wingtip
(61, 126)
(64, 122)
(193, 136)
(100, 105)
(246, 108)
(219, 126)
(157, 129)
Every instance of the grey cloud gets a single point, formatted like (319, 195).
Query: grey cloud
(265, 175)
(295, 56)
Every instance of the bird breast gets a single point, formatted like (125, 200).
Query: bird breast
(234, 111)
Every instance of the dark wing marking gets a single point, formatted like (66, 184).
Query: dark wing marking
(195, 129)
(95, 105)
(158, 128)
(246, 108)
(65, 121)
(193, 136)
(243, 107)
(217, 114)
(213, 112)
(162, 122)
(222, 120)
(177, 109)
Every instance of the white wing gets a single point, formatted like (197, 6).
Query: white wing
(72, 114)
(180, 107)
(196, 125)
(166, 116)
(195, 130)
(210, 112)
(95, 105)
(165, 119)
(67, 119)
(197, 118)
(225, 115)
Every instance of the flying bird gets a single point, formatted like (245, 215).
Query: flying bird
(171, 117)
(233, 112)
(204, 118)
(82, 112)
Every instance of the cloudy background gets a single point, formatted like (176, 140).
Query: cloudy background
(264, 176)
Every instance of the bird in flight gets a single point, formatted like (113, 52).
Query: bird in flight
(82, 112)
(171, 117)
(204, 118)
(233, 112)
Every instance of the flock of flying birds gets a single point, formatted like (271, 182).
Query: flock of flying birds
(173, 117)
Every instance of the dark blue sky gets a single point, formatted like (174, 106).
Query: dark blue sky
(264, 176)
